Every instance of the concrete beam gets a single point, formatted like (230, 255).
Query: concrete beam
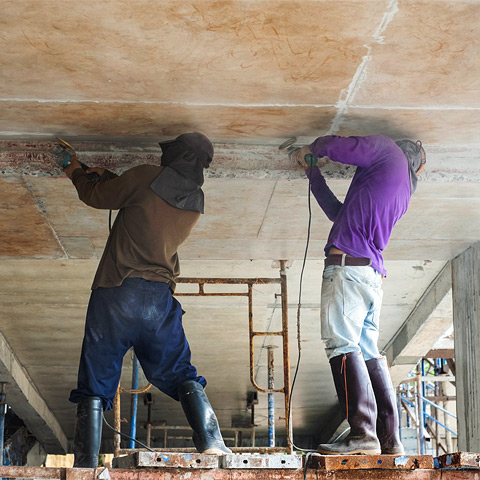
(231, 159)
(427, 322)
(26, 402)
(466, 318)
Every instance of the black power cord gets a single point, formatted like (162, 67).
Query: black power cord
(125, 435)
(298, 320)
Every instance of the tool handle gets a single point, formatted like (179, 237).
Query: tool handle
(311, 159)
(93, 176)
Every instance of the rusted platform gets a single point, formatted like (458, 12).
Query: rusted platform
(458, 460)
(225, 474)
(188, 466)
(189, 460)
(166, 460)
(371, 462)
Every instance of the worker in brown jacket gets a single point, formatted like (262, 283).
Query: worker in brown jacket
(131, 303)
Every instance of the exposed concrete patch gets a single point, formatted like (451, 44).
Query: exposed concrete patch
(444, 163)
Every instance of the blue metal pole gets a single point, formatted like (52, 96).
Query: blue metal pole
(424, 393)
(271, 399)
(420, 412)
(134, 401)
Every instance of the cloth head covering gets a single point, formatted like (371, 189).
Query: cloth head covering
(413, 152)
(184, 159)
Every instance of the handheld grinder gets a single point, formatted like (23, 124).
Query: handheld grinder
(64, 152)
(289, 145)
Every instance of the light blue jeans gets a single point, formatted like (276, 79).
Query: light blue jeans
(350, 310)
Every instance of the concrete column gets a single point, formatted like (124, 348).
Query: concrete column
(466, 322)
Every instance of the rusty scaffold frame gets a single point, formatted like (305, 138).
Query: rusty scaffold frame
(250, 282)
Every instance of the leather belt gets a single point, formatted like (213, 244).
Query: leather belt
(347, 260)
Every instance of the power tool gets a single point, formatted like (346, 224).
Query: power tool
(289, 145)
(64, 152)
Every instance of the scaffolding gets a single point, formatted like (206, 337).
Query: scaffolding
(424, 400)
(270, 390)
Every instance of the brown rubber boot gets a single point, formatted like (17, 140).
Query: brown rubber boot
(387, 420)
(356, 397)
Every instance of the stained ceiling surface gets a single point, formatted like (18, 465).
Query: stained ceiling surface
(115, 77)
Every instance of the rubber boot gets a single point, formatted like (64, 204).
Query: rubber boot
(387, 419)
(356, 397)
(201, 417)
(88, 432)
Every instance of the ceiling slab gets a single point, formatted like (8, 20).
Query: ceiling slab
(24, 230)
(114, 78)
(423, 56)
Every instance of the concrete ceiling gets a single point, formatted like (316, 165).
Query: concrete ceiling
(115, 77)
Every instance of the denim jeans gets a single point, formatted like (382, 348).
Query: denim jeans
(139, 314)
(350, 310)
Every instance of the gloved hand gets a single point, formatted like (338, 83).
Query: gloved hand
(298, 155)
(73, 165)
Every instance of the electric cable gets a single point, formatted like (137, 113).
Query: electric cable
(298, 317)
(125, 435)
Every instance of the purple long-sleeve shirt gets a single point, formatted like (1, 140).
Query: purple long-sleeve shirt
(378, 195)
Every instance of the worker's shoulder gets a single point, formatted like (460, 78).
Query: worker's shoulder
(143, 170)
(385, 146)
(146, 167)
(381, 139)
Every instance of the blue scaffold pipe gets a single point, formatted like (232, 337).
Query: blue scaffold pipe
(134, 402)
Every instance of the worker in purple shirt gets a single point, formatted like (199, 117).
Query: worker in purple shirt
(378, 196)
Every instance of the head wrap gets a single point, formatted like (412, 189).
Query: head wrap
(184, 159)
(413, 152)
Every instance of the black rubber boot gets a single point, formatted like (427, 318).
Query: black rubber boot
(387, 419)
(356, 397)
(88, 432)
(201, 417)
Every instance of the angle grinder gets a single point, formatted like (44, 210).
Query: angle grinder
(64, 152)
(289, 145)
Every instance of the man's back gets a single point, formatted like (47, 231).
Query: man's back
(377, 198)
(147, 231)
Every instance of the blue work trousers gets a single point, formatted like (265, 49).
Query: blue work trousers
(139, 314)
(350, 310)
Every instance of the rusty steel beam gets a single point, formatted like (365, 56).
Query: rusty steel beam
(371, 462)
(230, 281)
(241, 450)
(117, 423)
(459, 460)
(286, 356)
(234, 474)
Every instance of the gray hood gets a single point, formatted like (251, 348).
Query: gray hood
(180, 182)
(414, 156)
